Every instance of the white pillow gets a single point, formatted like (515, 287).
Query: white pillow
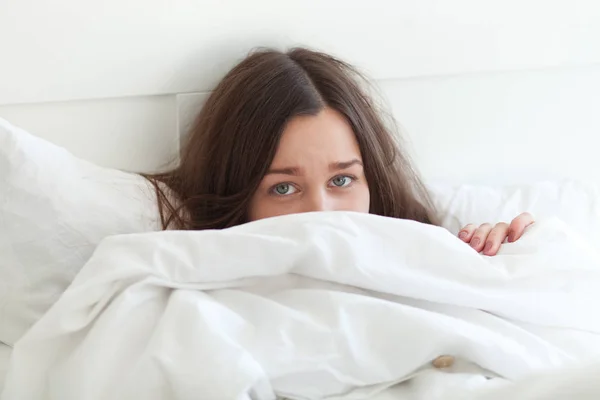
(54, 210)
(576, 203)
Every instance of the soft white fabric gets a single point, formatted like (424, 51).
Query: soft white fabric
(5, 351)
(334, 305)
(578, 382)
(54, 210)
(575, 202)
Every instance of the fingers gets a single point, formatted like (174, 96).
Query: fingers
(467, 232)
(518, 225)
(480, 236)
(495, 239)
(488, 239)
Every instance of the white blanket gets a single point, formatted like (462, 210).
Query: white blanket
(312, 306)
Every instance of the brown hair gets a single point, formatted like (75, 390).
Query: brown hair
(235, 136)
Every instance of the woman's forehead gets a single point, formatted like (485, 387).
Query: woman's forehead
(326, 136)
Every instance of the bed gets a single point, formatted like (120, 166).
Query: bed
(500, 117)
(5, 351)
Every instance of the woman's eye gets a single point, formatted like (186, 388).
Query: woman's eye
(341, 181)
(284, 189)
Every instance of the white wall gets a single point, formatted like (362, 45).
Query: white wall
(133, 133)
(81, 49)
(508, 127)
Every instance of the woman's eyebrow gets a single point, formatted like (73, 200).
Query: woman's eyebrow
(336, 166)
(295, 171)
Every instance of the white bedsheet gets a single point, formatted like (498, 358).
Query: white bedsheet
(5, 352)
(336, 306)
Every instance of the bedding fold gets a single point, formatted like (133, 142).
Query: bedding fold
(312, 306)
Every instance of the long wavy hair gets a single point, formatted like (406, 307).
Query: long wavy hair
(235, 136)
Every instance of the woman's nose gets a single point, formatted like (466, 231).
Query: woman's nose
(319, 201)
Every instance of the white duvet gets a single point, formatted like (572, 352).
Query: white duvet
(315, 306)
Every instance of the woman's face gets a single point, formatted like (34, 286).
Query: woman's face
(317, 167)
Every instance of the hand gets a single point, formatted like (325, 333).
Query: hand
(489, 239)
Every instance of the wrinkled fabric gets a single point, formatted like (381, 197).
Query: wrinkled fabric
(54, 210)
(312, 306)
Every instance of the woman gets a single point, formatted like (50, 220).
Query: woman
(295, 132)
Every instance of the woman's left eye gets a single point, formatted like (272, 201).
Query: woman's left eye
(341, 181)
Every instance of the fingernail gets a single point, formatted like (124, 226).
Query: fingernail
(474, 242)
(462, 235)
(511, 237)
(488, 247)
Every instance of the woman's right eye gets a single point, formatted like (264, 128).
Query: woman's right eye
(283, 189)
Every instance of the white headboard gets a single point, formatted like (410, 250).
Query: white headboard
(501, 91)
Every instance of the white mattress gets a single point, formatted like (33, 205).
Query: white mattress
(5, 352)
